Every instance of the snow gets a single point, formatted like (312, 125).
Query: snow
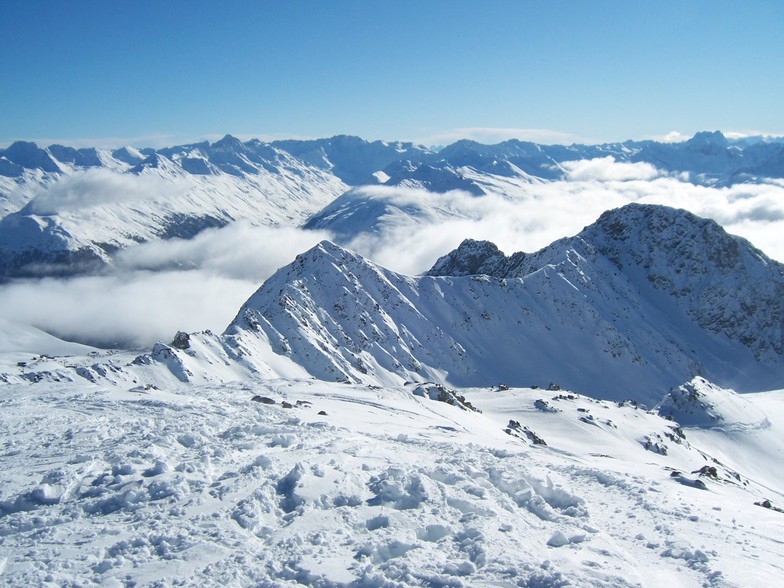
(202, 485)
(18, 338)
(485, 425)
(639, 302)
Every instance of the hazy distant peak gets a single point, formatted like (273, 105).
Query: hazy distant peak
(228, 143)
(716, 138)
(29, 155)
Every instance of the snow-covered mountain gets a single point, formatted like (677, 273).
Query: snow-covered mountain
(321, 439)
(708, 158)
(78, 222)
(643, 299)
(352, 159)
(70, 210)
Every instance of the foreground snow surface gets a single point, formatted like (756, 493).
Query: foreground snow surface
(204, 486)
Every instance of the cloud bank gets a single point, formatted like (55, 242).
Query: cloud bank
(160, 287)
(529, 217)
(607, 169)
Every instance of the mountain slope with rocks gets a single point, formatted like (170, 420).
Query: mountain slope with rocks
(645, 298)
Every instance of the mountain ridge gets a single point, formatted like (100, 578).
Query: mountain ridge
(317, 184)
(574, 312)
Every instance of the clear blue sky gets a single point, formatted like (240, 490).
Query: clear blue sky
(160, 72)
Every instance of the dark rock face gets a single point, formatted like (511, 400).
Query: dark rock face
(474, 258)
(181, 340)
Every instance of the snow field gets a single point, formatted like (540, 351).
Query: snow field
(203, 486)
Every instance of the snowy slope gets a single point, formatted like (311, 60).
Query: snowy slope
(368, 210)
(642, 300)
(69, 210)
(221, 460)
(80, 221)
(352, 159)
(325, 484)
(20, 340)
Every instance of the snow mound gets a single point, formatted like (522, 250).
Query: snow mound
(699, 403)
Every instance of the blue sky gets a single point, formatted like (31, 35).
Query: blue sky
(163, 72)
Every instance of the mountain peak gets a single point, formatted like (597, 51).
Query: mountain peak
(712, 138)
(647, 231)
(31, 156)
(330, 249)
(631, 306)
(228, 143)
(469, 259)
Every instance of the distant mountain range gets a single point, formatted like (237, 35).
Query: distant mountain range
(70, 210)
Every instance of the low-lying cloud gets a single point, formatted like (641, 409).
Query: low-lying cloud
(125, 310)
(99, 187)
(160, 287)
(607, 169)
(529, 217)
(238, 251)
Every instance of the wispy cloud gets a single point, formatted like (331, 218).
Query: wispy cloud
(748, 133)
(672, 137)
(97, 187)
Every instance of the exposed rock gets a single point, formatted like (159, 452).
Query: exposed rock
(181, 340)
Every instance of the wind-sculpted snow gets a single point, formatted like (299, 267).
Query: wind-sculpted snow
(637, 303)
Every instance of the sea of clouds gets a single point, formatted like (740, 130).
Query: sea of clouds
(160, 287)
